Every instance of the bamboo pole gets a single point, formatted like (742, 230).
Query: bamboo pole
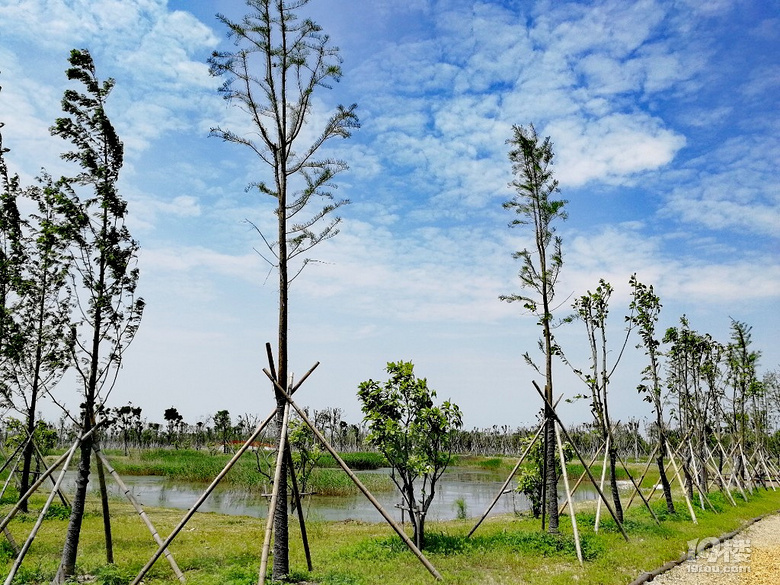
(684, 490)
(138, 508)
(106, 509)
(642, 478)
(733, 475)
(191, 512)
(269, 524)
(770, 468)
(601, 484)
(581, 478)
(10, 476)
(568, 496)
(299, 505)
(756, 470)
(696, 477)
(721, 479)
(357, 482)
(508, 479)
(44, 476)
(637, 488)
(63, 499)
(14, 454)
(675, 452)
(747, 469)
(34, 532)
(11, 540)
(579, 456)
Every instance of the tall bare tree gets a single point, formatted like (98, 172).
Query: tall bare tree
(593, 309)
(279, 62)
(534, 204)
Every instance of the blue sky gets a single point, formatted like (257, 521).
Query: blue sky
(664, 117)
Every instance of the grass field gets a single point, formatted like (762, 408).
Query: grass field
(218, 549)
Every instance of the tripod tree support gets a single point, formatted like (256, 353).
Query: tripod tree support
(291, 466)
(269, 524)
(44, 476)
(191, 512)
(568, 495)
(508, 479)
(138, 508)
(577, 452)
(511, 475)
(431, 569)
(17, 563)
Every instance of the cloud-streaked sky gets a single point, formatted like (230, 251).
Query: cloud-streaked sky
(664, 119)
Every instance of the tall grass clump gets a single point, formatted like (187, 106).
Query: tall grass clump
(359, 461)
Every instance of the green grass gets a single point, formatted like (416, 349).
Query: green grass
(222, 549)
(202, 467)
(356, 461)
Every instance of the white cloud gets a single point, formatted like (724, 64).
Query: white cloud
(611, 148)
(734, 187)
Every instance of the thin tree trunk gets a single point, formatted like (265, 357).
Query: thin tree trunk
(70, 550)
(613, 483)
(551, 479)
(662, 471)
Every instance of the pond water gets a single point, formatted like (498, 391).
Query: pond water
(476, 488)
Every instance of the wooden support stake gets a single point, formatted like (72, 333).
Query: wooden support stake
(297, 499)
(696, 479)
(296, 494)
(138, 508)
(733, 476)
(356, 481)
(11, 475)
(34, 532)
(191, 512)
(577, 452)
(568, 496)
(601, 485)
(62, 497)
(642, 478)
(44, 476)
(269, 524)
(721, 479)
(582, 476)
(14, 454)
(636, 487)
(508, 479)
(684, 489)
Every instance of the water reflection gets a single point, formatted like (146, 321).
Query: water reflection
(476, 488)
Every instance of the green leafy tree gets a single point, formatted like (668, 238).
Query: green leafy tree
(278, 64)
(108, 312)
(223, 427)
(11, 261)
(414, 435)
(534, 204)
(128, 420)
(530, 476)
(175, 421)
(693, 362)
(42, 312)
(744, 382)
(645, 309)
(306, 452)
